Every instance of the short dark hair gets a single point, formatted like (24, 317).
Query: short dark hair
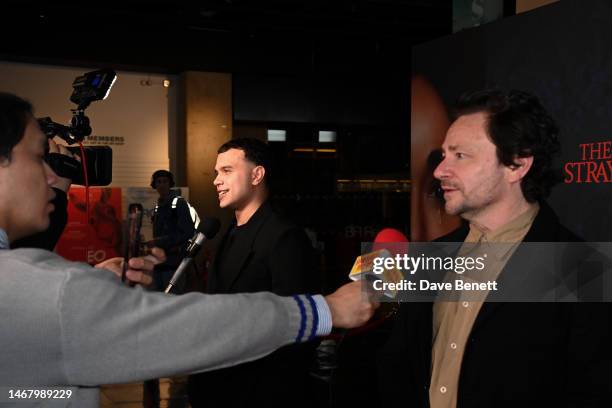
(14, 115)
(162, 173)
(255, 151)
(519, 126)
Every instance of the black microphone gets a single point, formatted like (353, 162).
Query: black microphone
(207, 230)
(132, 248)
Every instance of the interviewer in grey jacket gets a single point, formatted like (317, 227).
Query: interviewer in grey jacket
(68, 324)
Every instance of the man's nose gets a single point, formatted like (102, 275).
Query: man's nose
(50, 175)
(441, 171)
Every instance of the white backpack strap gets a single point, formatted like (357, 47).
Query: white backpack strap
(195, 218)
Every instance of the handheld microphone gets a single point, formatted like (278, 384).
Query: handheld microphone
(132, 249)
(207, 230)
(390, 235)
(388, 243)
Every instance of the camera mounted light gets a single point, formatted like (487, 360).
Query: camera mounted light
(92, 86)
(87, 88)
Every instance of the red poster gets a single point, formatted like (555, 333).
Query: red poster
(92, 234)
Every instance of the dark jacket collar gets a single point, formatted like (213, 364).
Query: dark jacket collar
(545, 228)
(249, 232)
(258, 217)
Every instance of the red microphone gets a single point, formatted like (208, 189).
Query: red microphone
(388, 242)
(390, 235)
(392, 240)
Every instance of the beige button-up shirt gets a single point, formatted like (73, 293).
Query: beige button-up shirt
(453, 321)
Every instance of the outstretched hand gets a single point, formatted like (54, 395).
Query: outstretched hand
(139, 268)
(351, 305)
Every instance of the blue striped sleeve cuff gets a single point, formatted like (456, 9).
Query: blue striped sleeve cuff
(325, 318)
(315, 317)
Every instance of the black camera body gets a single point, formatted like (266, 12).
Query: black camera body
(90, 87)
(99, 161)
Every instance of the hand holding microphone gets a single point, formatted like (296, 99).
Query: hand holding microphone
(138, 269)
(350, 307)
(388, 243)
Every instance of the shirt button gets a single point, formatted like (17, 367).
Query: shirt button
(453, 346)
(466, 304)
(443, 390)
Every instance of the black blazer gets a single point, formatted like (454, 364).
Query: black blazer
(518, 354)
(276, 256)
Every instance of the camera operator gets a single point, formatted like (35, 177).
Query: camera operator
(59, 216)
(68, 324)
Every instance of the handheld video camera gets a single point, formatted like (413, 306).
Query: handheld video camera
(90, 87)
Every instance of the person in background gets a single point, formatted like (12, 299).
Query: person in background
(172, 228)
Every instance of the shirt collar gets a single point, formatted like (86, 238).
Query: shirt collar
(4, 242)
(512, 232)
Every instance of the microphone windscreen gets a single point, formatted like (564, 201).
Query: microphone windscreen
(389, 242)
(390, 235)
(209, 227)
(392, 240)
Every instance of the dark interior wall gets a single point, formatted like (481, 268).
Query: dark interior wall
(343, 100)
(369, 114)
(239, 36)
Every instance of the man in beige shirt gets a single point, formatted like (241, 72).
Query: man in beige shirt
(495, 173)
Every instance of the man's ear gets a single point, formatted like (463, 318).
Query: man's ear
(257, 175)
(519, 169)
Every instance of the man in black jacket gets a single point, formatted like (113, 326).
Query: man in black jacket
(260, 252)
(495, 173)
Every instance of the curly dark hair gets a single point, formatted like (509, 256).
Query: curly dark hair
(519, 126)
(14, 115)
